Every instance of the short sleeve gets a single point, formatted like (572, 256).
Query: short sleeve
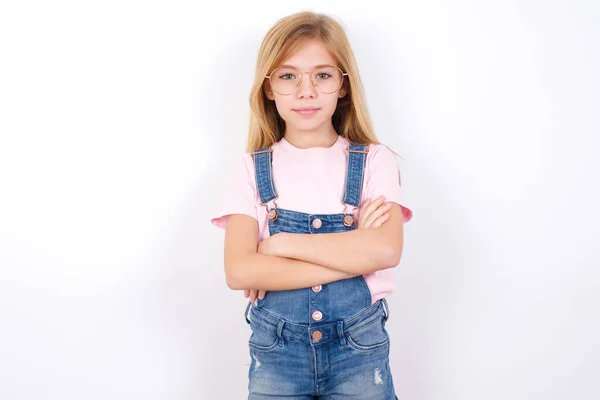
(239, 195)
(383, 179)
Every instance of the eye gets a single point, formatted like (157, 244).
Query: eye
(287, 76)
(323, 75)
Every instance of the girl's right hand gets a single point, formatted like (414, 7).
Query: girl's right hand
(374, 214)
(254, 293)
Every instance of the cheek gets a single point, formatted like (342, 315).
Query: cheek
(330, 105)
(283, 108)
(328, 108)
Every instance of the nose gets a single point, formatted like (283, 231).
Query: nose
(306, 88)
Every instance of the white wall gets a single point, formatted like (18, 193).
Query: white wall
(118, 118)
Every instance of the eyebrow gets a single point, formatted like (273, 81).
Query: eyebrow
(317, 66)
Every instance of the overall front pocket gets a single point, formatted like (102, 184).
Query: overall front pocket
(262, 338)
(369, 337)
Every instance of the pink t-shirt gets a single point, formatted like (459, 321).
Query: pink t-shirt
(312, 181)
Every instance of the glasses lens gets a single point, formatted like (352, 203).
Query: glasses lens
(328, 79)
(284, 80)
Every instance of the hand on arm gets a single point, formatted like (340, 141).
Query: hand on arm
(375, 245)
(372, 216)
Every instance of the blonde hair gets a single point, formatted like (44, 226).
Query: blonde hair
(351, 118)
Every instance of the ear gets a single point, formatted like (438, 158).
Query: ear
(267, 90)
(344, 90)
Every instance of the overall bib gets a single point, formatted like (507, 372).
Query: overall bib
(328, 341)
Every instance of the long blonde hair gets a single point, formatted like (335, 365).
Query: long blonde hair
(351, 118)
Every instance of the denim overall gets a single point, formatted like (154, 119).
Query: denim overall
(328, 341)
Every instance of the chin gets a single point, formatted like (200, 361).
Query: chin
(307, 124)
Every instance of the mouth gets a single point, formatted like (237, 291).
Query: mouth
(306, 111)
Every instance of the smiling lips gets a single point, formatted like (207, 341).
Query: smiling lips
(306, 111)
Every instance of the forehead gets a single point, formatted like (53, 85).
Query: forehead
(309, 54)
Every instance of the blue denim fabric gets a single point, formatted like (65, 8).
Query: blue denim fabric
(349, 356)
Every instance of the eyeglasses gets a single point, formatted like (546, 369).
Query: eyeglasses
(327, 78)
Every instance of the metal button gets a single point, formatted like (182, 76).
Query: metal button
(348, 220)
(317, 335)
(317, 223)
(317, 315)
(317, 289)
(273, 215)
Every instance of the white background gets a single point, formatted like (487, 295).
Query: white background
(118, 120)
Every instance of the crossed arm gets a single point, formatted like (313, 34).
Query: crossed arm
(291, 261)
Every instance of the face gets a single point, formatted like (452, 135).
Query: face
(306, 108)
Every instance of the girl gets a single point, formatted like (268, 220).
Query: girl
(302, 237)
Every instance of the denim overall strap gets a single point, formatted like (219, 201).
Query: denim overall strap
(357, 157)
(264, 174)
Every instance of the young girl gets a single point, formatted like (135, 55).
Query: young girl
(314, 222)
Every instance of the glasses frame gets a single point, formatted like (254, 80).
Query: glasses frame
(312, 80)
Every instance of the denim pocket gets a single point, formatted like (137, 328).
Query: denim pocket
(262, 338)
(369, 337)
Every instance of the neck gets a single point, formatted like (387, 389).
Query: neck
(324, 136)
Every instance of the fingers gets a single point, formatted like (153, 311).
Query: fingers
(379, 212)
(371, 211)
(379, 221)
(372, 206)
(364, 211)
(364, 205)
(254, 294)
